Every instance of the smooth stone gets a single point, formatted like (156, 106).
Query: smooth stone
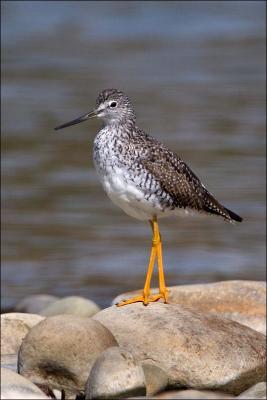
(240, 301)
(195, 350)
(115, 374)
(9, 361)
(156, 379)
(57, 394)
(193, 394)
(15, 386)
(73, 305)
(14, 327)
(257, 391)
(60, 351)
(35, 303)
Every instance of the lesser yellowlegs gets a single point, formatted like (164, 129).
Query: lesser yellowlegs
(143, 177)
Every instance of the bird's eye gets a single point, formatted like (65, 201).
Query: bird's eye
(113, 104)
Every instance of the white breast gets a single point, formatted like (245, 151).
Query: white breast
(125, 194)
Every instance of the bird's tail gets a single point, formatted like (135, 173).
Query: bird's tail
(212, 206)
(233, 216)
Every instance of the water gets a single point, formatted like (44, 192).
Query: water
(196, 74)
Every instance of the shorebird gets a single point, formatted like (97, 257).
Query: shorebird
(144, 178)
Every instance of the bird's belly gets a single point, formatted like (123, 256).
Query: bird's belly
(123, 192)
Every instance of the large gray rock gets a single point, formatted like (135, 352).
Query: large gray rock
(257, 391)
(115, 374)
(35, 303)
(61, 350)
(14, 327)
(73, 305)
(241, 301)
(15, 386)
(194, 349)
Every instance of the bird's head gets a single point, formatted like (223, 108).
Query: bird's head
(112, 106)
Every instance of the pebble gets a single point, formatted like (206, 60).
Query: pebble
(60, 351)
(193, 394)
(156, 379)
(14, 327)
(241, 301)
(73, 305)
(257, 391)
(15, 386)
(115, 374)
(35, 303)
(195, 349)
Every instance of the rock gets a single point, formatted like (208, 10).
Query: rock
(9, 361)
(73, 305)
(14, 327)
(115, 374)
(257, 391)
(57, 394)
(60, 351)
(15, 386)
(193, 394)
(241, 301)
(35, 303)
(194, 349)
(156, 379)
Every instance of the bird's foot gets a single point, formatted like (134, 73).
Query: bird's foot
(142, 298)
(146, 299)
(164, 294)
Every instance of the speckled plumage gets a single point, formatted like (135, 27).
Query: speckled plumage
(139, 173)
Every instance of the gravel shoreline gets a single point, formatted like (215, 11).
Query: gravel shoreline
(209, 342)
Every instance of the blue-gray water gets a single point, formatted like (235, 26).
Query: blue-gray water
(196, 74)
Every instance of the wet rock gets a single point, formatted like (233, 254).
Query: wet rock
(35, 303)
(193, 394)
(14, 327)
(257, 391)
(115, 374)
(15, 386)
(156, 379)
(73, 305)
(194, 349)
(9, 361)
(61, 350)
(241, 301)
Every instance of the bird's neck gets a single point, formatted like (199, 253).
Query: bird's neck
(120, 126)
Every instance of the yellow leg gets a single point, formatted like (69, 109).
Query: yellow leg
(156, 250)
(162, 286)
(151, 264)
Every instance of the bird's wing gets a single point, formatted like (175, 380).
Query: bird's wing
(175, 177)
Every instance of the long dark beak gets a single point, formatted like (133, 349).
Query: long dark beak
(84, 117)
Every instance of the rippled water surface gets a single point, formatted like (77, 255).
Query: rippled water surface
(196, 74)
